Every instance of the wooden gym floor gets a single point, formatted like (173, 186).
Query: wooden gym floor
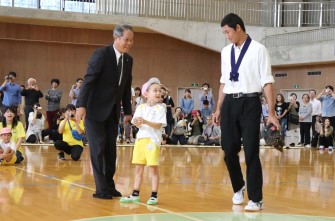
(194, 186)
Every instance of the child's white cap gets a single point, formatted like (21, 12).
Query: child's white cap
(145, 86)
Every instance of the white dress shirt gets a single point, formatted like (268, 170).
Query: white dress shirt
(316, 107)
(254, 71)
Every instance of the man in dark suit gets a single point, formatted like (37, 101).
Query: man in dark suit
(107, 84)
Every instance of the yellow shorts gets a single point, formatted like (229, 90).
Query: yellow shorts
(11, 162)
(146, 152)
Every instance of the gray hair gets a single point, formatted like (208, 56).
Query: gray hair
(119, 29)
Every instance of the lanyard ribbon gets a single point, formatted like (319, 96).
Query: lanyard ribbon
(234, 67)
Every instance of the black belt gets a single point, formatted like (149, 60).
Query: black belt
(239, 95)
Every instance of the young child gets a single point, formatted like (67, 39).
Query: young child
(150, 118)
(7, 147)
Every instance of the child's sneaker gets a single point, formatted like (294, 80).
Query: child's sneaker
(152, 201)
(330, 148)
(254, 206)
(238, 197)
(321, 147)
(130, 199)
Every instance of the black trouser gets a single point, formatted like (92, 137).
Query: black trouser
(240, 118)
(315, 139)
(32, 139)
(305, 133)
(313, 123)
(102, 141)
(326, 141)
(27, 110)
(75, 151)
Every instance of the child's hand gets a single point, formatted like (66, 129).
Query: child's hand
(138, 121)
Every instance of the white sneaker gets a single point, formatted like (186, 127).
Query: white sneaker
(330, 148)
(299, 145)
(152, 201)
(321, 147)
(238, 197)
(252, 206)
(308, 146)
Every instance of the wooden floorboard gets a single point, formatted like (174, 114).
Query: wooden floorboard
(192, 179)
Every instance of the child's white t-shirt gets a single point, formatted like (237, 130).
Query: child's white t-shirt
(155, 114)
(4, 145)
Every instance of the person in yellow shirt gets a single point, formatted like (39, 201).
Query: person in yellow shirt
(70, 145)
(10, 120)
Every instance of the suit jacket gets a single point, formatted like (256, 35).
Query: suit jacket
(101, 91)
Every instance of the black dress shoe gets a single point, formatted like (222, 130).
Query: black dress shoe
(116, 193)
(103, 196)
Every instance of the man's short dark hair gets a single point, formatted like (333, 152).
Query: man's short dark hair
(12, 73)
(79, 79)
(55, 81)
(70, 107)
(205, 102)
(330, 87)
(205, 84)
(232, 20)
(312, 90)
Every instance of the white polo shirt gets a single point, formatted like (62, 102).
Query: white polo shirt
(254, 71)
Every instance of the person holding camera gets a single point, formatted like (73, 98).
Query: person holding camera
(206, 94)
(197, 127)
(326, 136)
(327, 98)
(36, 124)
(11, 91)
(75, 90)
(31, 96)
(70, 144)
(179, 129)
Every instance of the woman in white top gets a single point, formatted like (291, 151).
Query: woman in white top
(36, 125)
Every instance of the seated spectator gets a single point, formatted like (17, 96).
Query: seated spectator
(326, 136)
(7, 147)
(316, 134)
(10, 120)
(179, 129)
(206, 111)
(36, 125)
(196, 126)
(53, 135)
(70, 145)
(211, 134)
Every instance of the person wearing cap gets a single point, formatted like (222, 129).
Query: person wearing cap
(70, 145)
(10, 120)
(206, 94)
(7, 147)
(150, 118)
(109, 75)
(245, 72)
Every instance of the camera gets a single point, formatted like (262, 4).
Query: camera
(327, 90)
(38, 108)
(8, 77)
(71, 115)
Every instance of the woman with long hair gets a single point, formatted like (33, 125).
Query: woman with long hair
(10, 120)
(281, 109)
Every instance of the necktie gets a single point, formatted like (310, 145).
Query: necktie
(119, 69)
